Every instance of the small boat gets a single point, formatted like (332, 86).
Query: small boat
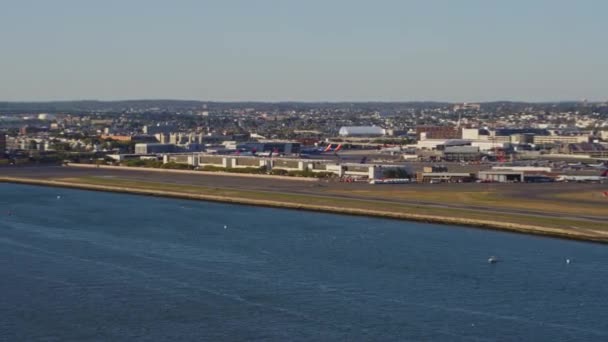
(492, 260)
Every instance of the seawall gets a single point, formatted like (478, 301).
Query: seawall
(594, 236)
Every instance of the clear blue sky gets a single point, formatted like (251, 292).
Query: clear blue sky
(453, 50)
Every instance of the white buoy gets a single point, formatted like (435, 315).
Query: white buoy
(225, 227)
(58, 197)
(567, 261)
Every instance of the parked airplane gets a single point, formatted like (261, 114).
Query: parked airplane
(598, 166)
(394, 149)
(579, 164)
(320, 150)
(268, 154)
(567, 178)
(243, 153)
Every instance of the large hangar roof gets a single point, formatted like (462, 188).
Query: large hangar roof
(361, 130)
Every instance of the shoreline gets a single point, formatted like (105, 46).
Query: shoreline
(404, 216)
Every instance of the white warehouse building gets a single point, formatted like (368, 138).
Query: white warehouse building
(361, 131)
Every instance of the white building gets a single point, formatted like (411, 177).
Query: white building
(361, 131)
(46, 116)
(470, 133)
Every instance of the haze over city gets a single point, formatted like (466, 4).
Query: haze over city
(337, 170)
(541, 50)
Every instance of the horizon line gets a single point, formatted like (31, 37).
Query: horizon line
(594, 101)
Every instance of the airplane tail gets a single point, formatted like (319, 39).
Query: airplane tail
(605, 173)
(338, 148)
(328, 148)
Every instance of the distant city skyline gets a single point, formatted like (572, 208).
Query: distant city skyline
(312, 51)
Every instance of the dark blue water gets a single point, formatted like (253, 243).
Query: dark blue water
(101, 266)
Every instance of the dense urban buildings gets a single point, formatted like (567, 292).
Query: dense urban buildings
(343, 139)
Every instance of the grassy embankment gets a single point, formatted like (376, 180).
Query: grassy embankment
(584, 203)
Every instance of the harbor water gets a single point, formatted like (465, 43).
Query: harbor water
(80, 265)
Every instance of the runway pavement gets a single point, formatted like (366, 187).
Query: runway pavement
(328, 189)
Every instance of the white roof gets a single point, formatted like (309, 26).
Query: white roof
(361, 130)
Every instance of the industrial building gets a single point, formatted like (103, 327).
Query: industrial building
(508, 174)
(481, 144)
(511, 176)
(440, 174)
(437, 132)
(351, 170)
(150, 148)
(507, 132)
(444, 177)
(461, 153)
(560, 139)
(593, 150)
(453, 149)
(471, 133)
(501, 176)
(522, 139)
